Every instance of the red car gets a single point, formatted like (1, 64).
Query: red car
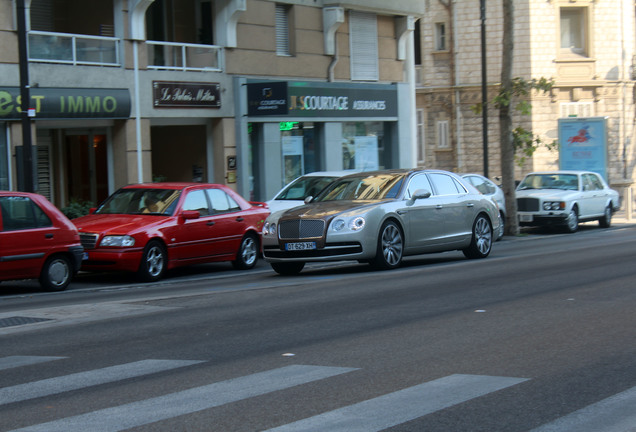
(37, 241)
(152, 227)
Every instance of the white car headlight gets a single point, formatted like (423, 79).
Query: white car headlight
(118, 241)
(338, 225)
(553, 205)
(269, 228)
(356, 224)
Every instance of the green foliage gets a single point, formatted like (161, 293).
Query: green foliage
(77, 208)
(524, 142)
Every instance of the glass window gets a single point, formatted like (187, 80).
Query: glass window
(363, 146)
(446, 185)
(300, 153)
(222, 202)
(363, 187)
(420, 181)
(573, 31)
(196, 200)
(440, 36)
(484, 186)
(20, 213)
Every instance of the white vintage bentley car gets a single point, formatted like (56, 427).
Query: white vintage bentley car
(565, 198)
(379, 217)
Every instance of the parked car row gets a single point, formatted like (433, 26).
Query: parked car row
(374, 217)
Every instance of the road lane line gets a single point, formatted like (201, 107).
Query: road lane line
(402, 406)
(18, 361)
(188, 401)
(614, 414)
(80, 380)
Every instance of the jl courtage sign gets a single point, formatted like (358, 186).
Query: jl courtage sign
(302, 99)
(66, 103)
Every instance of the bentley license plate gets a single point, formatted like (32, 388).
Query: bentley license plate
(300, 246)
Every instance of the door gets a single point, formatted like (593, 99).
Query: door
(424, 218)
(594, 196)
(230, 223)
(86, 166)
(458, 211)
(26, 236)
(194, 237)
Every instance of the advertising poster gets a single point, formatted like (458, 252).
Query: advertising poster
(583, 144)
(292, 157)
(366, 154)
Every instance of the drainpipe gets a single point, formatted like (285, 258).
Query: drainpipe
(332, 17)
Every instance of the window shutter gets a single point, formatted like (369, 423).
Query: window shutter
(442, 134)
(363, 29)
(41, 15)
(282, 30)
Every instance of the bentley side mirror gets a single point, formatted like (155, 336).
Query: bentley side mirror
(418, 194)
(308, 199)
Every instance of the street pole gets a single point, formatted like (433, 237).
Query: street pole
(484, 87)
(27, 154)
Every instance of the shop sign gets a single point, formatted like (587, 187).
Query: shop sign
(264, 99)
(66, 103)
(169, 94)
(327, 100)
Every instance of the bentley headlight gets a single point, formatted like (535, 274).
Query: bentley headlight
(553, 205)
(338, 225)
(356, 224)
(118, 241)
(269, 228)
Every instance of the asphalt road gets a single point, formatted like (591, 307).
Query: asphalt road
(540, 335)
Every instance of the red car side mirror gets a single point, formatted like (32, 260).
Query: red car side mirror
(190, 214)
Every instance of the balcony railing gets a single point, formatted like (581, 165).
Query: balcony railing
(184, 56)
(73, 49)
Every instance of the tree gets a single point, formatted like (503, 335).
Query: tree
(515, 144)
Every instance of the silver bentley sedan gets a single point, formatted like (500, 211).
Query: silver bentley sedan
(381, 216)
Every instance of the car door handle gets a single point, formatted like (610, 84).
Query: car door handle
(48, 236)
(210, 223)
(439, 207)
(470, 205)
(239, 219)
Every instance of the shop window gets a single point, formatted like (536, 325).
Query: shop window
(283, 46)
(363, 146)
(300, 155)
(363, 29)
(573, 24)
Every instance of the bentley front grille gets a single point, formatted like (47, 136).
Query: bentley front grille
(527, 204)
(301, 228)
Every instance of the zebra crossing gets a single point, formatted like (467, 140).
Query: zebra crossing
(615, 414)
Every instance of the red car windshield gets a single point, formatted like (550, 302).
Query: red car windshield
(141, 201)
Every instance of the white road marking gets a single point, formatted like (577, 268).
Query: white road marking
(18, 361)
(395, 408)
(188, 401)
(614, 414)
(80, 380)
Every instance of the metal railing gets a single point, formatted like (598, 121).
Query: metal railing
(67, 48)
(184, 56)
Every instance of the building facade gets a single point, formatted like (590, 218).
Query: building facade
(249, 93)
(585, 46)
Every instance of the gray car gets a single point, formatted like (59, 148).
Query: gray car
(490, 189)
(381, 216)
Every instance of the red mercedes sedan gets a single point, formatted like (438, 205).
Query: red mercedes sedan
(37, 241)
(152, 227)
